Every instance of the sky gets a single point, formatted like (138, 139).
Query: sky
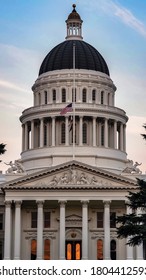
(30, 29)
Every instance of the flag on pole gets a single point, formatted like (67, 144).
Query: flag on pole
(67, 109)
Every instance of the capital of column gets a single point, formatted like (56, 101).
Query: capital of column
(8, 203)
(18, 203)
(62, 202)
(40, 202)
(106, 202)
(84, 202)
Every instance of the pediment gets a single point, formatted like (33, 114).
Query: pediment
(72, 175)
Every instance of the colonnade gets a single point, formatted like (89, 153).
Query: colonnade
(100, 132)
(62, 234)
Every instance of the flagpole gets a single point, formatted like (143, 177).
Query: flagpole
(74, 100)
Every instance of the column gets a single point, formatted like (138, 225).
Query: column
(32, 134)
(107, 230)
(66, 131)
(40, 231)
(115, 134)
(8, 231)
(94, 131)
(41, 133)
(81, 131)
(84, 230)
(62, 231)
(106, 133)
(17, 236)
(53, 131)
(26, 136)
(23, 137)
(139, 248)
(121, 136)
(129, 249)
(124, 138)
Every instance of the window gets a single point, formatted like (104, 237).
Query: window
(102, 135)
(33, 249)
(99, 249)
(99, 219)
(84, 97)
(46, 219)
(45, 134)
(73, 97)
(84, 133)
(63, 95)
(113, 219)
(47, 249)
(54, 95)
(63, 133)
(33, 219)
(93, 95)
(1, 221)
(46, 97)
(102, 94)
(113, 249)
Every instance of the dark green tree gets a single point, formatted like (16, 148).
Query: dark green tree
(2, 149)
(133, 225)
(144, 135)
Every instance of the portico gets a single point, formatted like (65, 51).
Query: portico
(65, 223)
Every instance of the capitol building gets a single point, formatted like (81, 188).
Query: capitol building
(60, 199)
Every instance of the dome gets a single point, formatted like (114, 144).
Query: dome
(86, 57)
(74, 14)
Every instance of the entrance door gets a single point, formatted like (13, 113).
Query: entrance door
(73, 250)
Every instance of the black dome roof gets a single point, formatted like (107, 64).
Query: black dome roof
(86, 57)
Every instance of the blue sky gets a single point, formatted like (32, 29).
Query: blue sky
(29, 29)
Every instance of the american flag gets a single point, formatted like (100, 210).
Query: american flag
(67, 109)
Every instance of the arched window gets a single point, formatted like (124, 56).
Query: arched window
(113, 249)
(84, 133)
(78, 251)
(54, 95)
(33, 249)
(93, 95)
(46, 97)
(73, 95)
(63, 95)
(99, 249)
(102, 97)
(84, 95)
(63, 133)
(47, 249)
(69, 251)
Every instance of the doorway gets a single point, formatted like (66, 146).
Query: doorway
(73, 250)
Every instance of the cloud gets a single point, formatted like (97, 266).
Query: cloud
(10, 85)
(115, 9)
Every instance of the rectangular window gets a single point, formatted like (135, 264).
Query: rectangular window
(113, 219)
(99, 219)
(1, 221)
(47, 219)
(54, 96)
(33, 219)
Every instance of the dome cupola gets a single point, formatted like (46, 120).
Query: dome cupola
(74, 25)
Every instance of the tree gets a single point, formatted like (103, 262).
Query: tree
(2, 149)
(144, 135)
(134, 225)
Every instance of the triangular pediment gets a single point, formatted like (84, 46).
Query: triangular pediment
(71, 175)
